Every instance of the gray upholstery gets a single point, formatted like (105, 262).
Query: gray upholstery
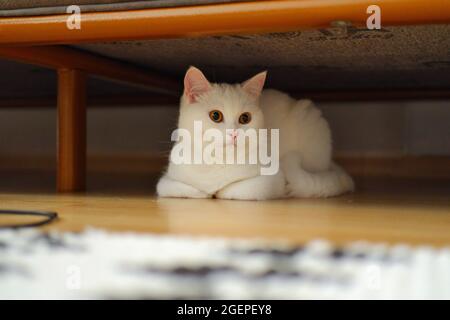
(326, 59)
(27, 4)
(46, 7)
(394, 57)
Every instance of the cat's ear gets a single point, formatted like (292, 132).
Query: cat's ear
(254, 86)
(195, 84)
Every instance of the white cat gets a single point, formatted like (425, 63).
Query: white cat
(306, 168)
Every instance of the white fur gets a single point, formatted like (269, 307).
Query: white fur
(257, 188)
(306, 167)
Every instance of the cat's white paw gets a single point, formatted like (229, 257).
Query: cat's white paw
(257, 188)
(170, 188)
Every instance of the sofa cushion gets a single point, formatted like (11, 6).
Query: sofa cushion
(13, 8)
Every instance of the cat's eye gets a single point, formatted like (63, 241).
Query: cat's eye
(216, 116)
(245, 118)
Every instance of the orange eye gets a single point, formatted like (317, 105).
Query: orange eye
(245, 118)
(216, 116)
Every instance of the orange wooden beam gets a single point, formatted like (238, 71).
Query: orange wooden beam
(216, 19)
(57, 57)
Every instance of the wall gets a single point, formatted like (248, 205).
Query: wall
(412, 128)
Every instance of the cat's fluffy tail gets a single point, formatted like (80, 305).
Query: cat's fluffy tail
(305, 184)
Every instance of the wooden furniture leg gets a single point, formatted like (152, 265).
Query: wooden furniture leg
(71, 169)
(73, 65)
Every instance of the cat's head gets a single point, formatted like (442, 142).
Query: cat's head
(225, 107)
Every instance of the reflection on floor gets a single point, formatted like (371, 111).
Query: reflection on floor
(382, 210)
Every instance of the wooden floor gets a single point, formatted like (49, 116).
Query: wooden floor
(382, 210)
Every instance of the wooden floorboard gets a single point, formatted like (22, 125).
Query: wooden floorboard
(391, 210)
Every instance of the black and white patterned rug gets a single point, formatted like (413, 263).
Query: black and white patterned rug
(97, 264)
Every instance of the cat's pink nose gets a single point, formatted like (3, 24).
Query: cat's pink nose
(234, 134)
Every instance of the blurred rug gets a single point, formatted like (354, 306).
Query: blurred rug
(97, 264)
